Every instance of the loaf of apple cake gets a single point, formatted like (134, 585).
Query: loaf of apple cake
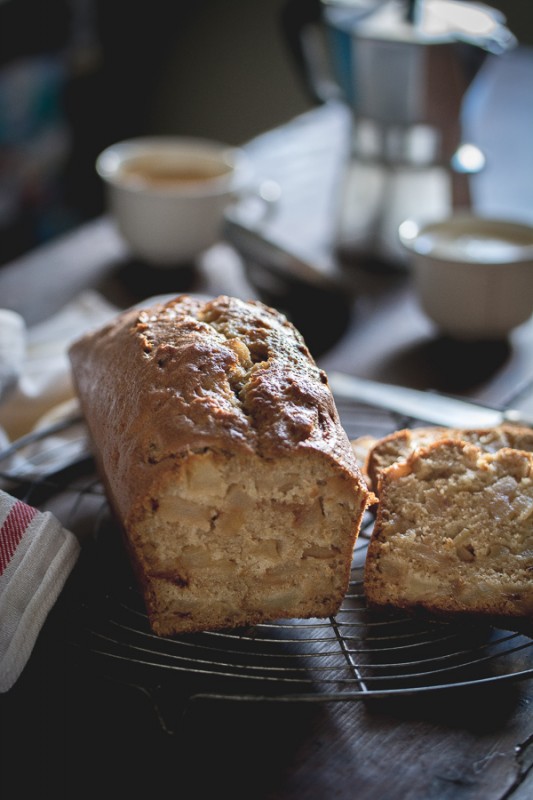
(220, 446)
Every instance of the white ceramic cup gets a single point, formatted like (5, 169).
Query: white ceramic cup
(473, 275)
(168, 194)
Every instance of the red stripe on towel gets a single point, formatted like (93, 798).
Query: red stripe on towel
(12, 531)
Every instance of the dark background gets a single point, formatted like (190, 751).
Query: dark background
(77, 75)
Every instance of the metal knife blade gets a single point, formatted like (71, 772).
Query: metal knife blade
(427, 406)
(258, 247)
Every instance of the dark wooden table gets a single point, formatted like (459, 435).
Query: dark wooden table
(80, 733)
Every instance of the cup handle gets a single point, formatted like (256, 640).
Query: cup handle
(257, 203)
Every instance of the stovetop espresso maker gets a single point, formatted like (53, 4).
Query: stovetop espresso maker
(403, 68)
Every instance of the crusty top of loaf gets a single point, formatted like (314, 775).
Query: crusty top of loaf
(382, 453)
(193, 374)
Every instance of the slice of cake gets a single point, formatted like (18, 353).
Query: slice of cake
(454, 533)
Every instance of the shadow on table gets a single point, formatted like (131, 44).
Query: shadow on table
(139, 280)
(446, 365)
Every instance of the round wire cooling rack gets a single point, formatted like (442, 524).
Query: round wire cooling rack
(360, 653)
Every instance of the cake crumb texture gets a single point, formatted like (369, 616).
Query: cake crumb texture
(454, 532)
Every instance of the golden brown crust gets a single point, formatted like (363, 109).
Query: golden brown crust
(232, 381)
(222, 374)
(382, 453)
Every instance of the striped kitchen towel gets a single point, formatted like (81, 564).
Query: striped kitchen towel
(36, 556)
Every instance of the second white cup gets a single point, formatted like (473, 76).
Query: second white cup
(473, 275)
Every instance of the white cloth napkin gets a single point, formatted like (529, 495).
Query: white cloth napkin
(36, 557)
(44, 380)
(36, 552)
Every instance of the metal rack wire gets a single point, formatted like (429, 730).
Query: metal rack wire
(359, 654)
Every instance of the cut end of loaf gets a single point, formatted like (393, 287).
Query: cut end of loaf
(240, 540)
